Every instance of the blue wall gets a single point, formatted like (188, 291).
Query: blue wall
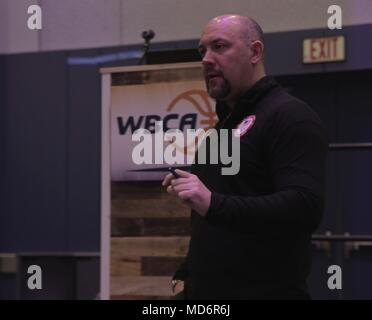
(51, 155)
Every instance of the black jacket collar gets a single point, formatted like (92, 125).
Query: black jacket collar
(246, 102)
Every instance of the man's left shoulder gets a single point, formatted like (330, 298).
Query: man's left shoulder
(287, 108)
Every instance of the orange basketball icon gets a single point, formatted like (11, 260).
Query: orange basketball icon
(200, 100)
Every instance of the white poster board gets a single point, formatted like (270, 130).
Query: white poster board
(178, 102)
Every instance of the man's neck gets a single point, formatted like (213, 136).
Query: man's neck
(231, 101)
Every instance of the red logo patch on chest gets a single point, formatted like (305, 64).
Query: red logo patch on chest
(245, 125)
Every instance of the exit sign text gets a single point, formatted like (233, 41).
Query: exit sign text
(326, 49)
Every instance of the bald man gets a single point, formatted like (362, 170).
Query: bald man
(251, 232)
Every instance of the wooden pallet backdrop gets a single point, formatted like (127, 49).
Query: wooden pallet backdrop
(149, 239)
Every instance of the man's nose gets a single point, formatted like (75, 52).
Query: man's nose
(208, 58)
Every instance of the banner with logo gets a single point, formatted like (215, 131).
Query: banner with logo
(155, 109)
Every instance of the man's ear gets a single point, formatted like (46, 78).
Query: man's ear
(257, 48)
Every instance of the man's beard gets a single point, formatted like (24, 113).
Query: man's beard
(219, 92)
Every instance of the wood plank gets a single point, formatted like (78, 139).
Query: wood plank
(125, 266)
(141, 286)
(8, 263)
(134, 227)
(153, 67)
(145, 199)
(136, 189)
(162, 207)
(150, 246)
(156, 208)
(160, 266)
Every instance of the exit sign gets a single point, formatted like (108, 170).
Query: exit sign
(328, 49)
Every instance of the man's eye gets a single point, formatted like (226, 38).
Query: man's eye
(218, 46)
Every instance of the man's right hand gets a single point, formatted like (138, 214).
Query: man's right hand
(179, 287)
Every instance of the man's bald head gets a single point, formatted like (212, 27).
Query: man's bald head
(249, 29)
(232, 50)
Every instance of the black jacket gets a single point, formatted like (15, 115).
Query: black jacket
(255, 240)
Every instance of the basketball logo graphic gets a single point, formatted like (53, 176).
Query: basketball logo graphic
(199, 100)
(245, 126)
